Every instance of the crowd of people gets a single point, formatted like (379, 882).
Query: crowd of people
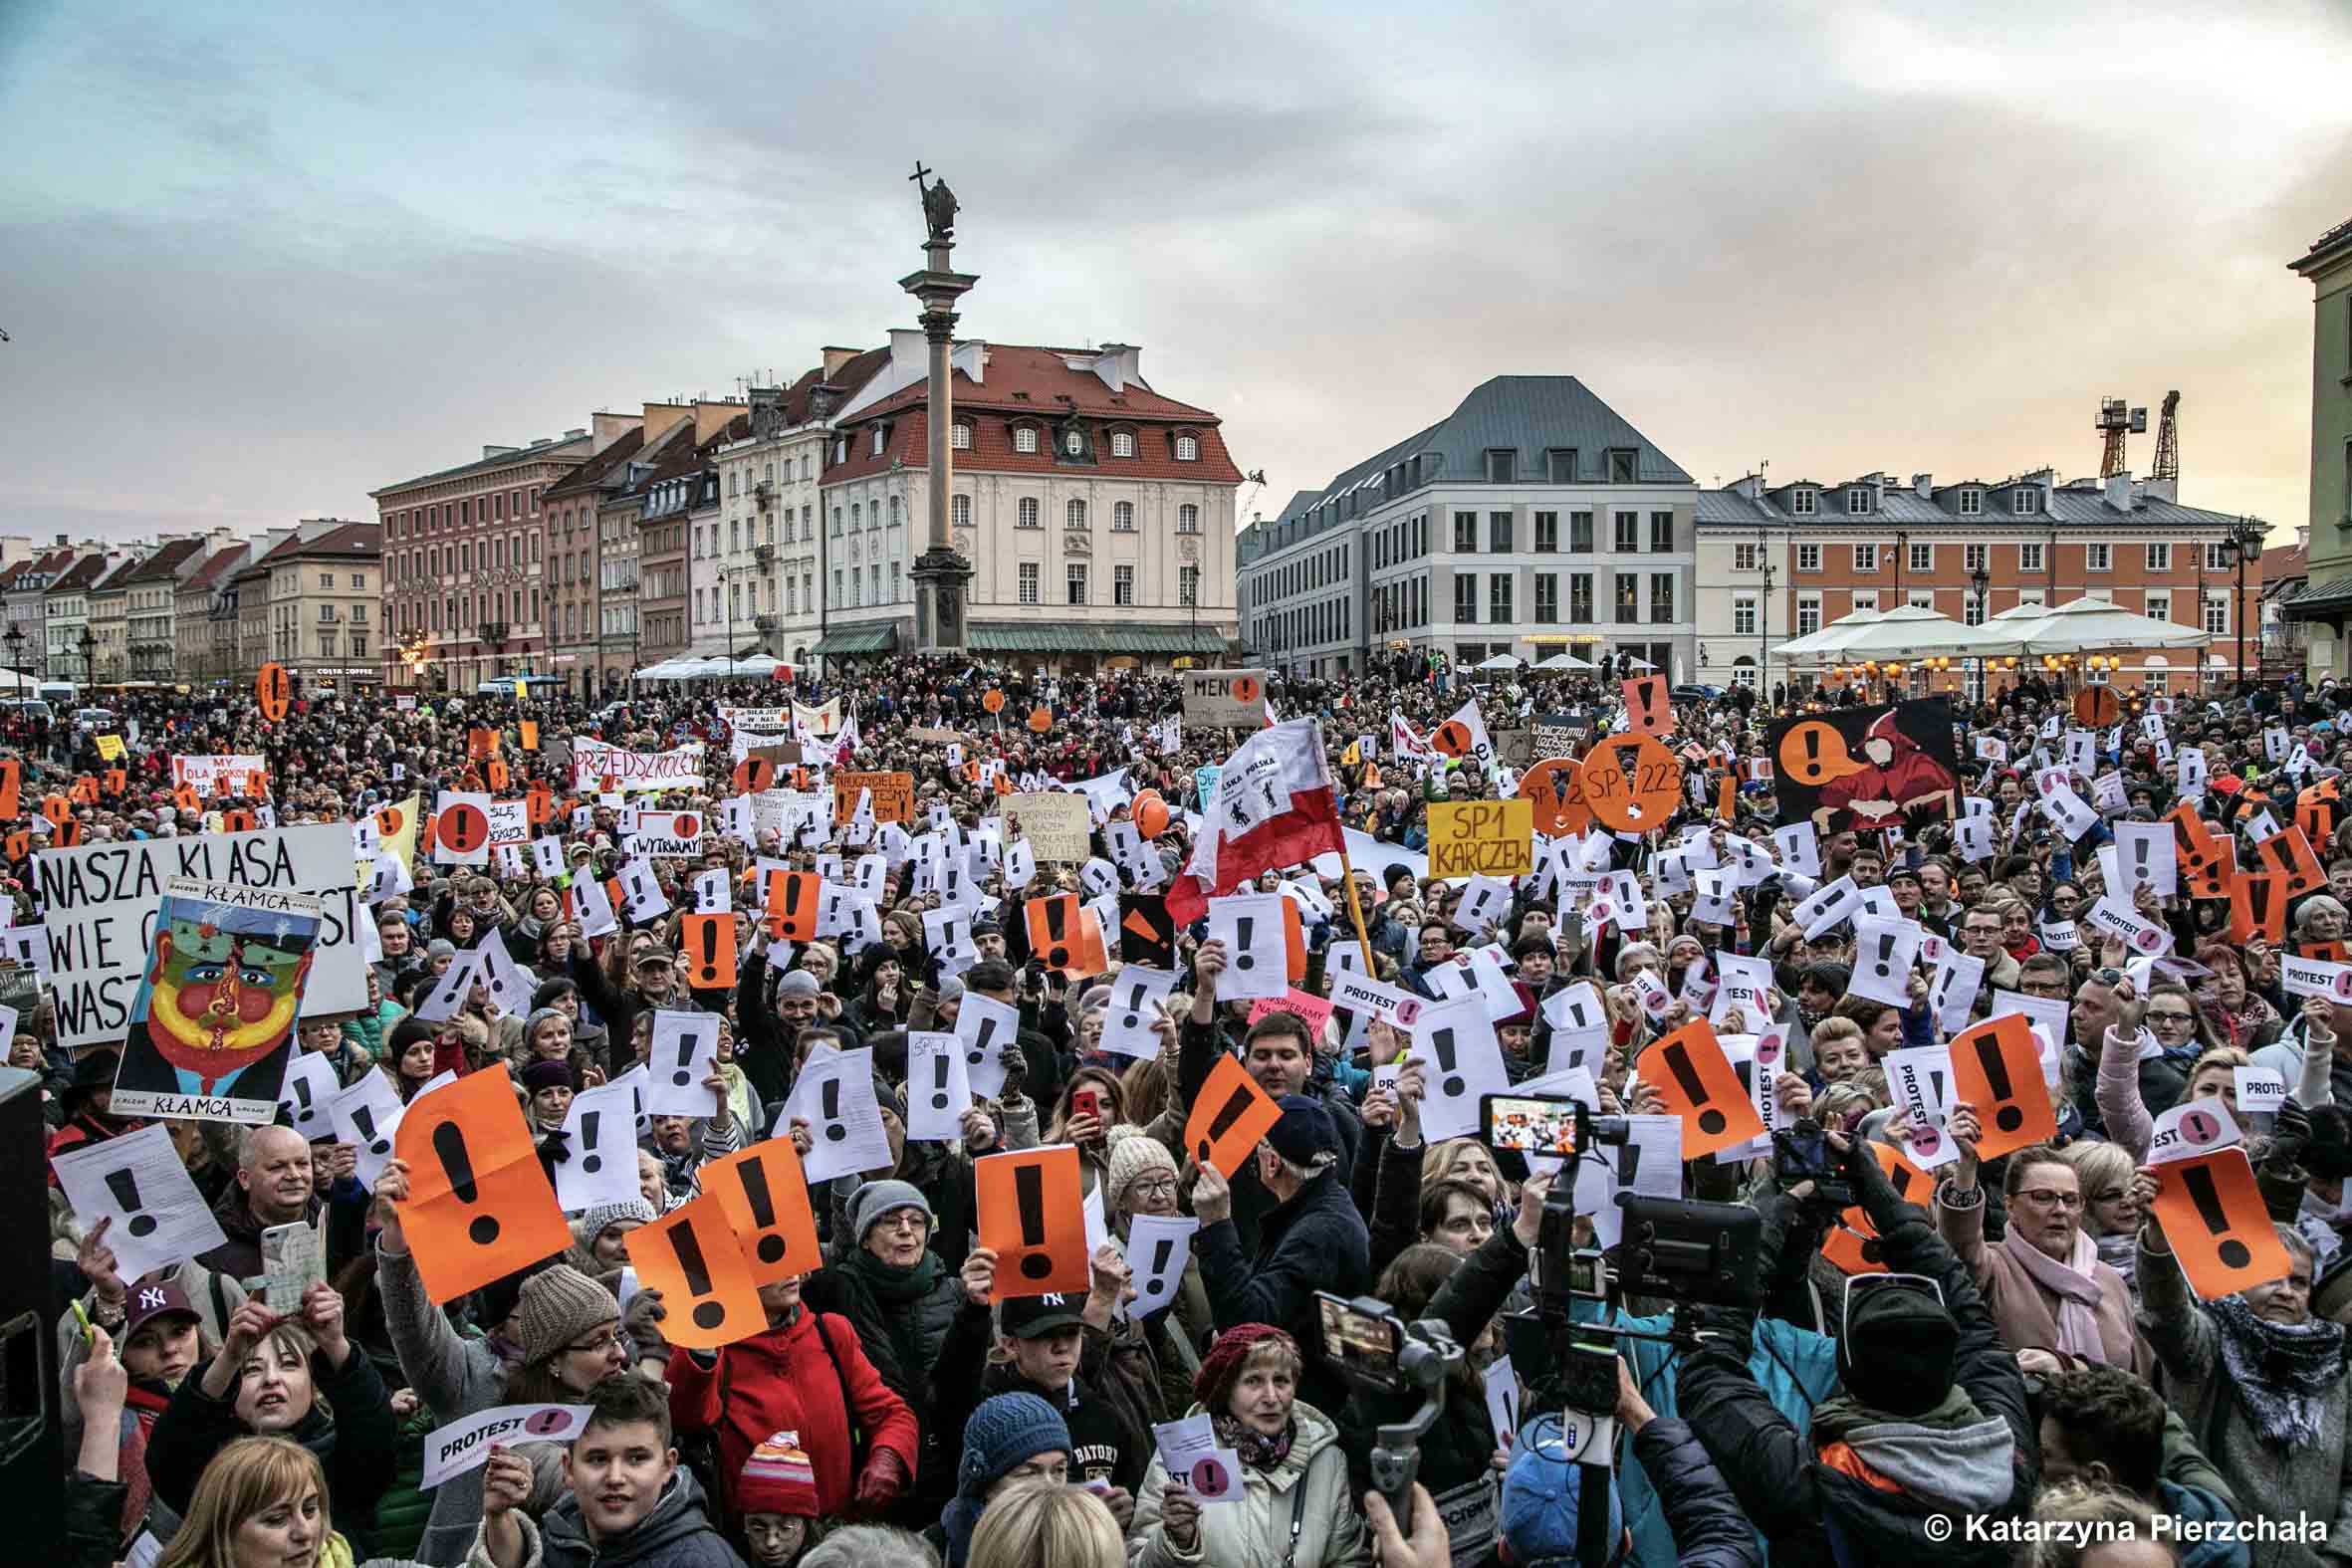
(2022, 1373)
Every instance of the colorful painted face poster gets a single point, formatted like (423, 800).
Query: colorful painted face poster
(1859, 768)
(212, 1027)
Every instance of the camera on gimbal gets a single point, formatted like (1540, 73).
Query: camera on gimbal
(1378, 1351)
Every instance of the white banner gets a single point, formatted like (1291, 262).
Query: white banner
(216, 776)
(593, 761)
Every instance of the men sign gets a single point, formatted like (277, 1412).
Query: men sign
(1232, 698)
(1482, 839)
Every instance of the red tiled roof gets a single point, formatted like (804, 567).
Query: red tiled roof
(218, 564)
(81, 576)
(164, 562)
(992, 450)
(589, 475)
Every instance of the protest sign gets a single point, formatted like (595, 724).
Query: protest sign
(1032, 1217)
(1235, 699)
(1493, 838)
(1057, 823)
(139, 1182)
(479, 1205)
(1848, 769)
(893, 795)
(669, 835)
(218, 778)
(594, 764)
(465, 1444)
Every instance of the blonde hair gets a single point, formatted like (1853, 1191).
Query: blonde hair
(248, 1477)
(1439, 1159)
(1833, 1028)
(1037, 1523)
(2096, 1163)
(2218, 1056)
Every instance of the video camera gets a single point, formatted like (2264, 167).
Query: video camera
(1377, 1351)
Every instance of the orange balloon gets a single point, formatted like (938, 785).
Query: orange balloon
(1150, 814)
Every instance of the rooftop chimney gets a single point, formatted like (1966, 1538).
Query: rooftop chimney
(2119, 491)
(835, 358)
(500, 451)
(574, 435)
(1924, 486)
(661, 418)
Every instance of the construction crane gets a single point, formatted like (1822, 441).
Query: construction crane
(2114, 421)
(2167, 439)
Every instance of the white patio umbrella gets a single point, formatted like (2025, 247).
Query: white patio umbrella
(666, 670)
(755, 665)
(1564, 661)
(1500, 661)
(1912, 631)
(1639, 664)
(2084, 625)
(1830, 638)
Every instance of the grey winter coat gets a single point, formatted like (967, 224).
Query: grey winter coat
(1308, 1487)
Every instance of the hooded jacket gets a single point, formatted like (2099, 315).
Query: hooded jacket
(678, 1534)
(1309, 1486)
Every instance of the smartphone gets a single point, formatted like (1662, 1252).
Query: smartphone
(1544, 1124)
(1364, 1343)
(1086, 1102)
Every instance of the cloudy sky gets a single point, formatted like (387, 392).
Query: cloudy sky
(258, 258)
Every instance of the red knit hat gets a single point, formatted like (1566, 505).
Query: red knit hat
(1221, 1368)
(778, 1479)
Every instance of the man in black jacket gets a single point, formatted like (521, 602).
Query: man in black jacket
(1312, 1240)
(1930, 1430)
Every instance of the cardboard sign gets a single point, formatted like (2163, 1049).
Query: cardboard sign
(2257, 907)
(1234, 699)
(706, 946)
(669, 835)
(1482, 839)
(2287, 854)
(1147, 932)
(795, 901)
(1997, 1067)
(766, 1198)
(2218, 1226)
(1229, 1118)
(479, 1205)
(691, 1255)
(1062, 938)
(893, 795)
(1057, 822)
(1034, 1218)
(465, 1444)
(1632, 783)
(1647, 708)
(273, 691)
(1853, 1243)
(1702, 1088)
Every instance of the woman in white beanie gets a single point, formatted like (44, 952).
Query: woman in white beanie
(1141, 1179)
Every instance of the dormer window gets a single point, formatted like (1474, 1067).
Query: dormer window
(1971, 503)
(1502, 466)
(959, 436)
(1188, 449)
(1122, 443)
(878, 440)
(1025, 439)
(1858, 500)
(2025, 501)
(1073, 444)
(1801, 503)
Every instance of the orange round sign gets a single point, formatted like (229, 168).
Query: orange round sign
(1453, 738)
(1632, 783)
(2098, 705)
(1245, 688)
(390, 821)
(993, 700)
(1150, 814)
(753, 775)
(273, 690)
(463, 828)
(1041, 719)
(1556, 785)
(1814, 753)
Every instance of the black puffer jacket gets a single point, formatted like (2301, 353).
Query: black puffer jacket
(1313, 1240)
(1797, 1503)
(1710, 1531)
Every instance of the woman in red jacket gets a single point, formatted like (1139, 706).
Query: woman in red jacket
(805, 1372)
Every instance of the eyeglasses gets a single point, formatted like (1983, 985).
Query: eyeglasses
(2053, 1199)
(1154, 1186)
(596, 1346)
(2170, 1018)
(904, 1220)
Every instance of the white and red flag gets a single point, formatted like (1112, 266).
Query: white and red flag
(1274, 805)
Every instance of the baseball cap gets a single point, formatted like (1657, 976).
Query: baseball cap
(154, 1296)
(1304, 1131)
(656, 955)
(1034, 1317)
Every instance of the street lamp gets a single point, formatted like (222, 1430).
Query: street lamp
(89, 653)
(2243, 542)
(1763, 631)
(1980, 579)
(16, 648)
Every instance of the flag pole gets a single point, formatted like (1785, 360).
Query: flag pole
(1355, 909)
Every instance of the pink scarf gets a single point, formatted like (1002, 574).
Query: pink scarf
(2074, 1285)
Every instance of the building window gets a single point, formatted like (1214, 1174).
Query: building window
(1122, 516)
(1548, 533)
(1188, 518)
(837, 595)
(1122, 584)
(1077, 582)
(1466, 597)
(1972, 611)
(1972, 559)
(1628, 598)
(1920, 598)
(1858, 500)
(1661, 532)
(1122, 443)
(1501, 467)
(1745, 558)
(1579, 533)
(1808, 558)
(1628, 533)
(1188, 449)
(1025, 439)
(2029, 557)
(1971, 503)
(1499, 533)
(2097, 557)
(2160, 556)
(1801, 502)
(959, 511)
(1560, 465)
(1661, 597)
(1621, 465)
(327, 580)
(1546, 598)
(1866, 557)
(1026, 513)
(1076, 514)
(1744, 616)
(2216, 559)
(1864, 599)
(1499, 598)
(2216, 614)
(1808, 614)
(1580, 597)
(1188, 584)
(959, 436)
(836, 529)
(2157, 605)
(2025, 501)
(1923, 557)
(1465, 532)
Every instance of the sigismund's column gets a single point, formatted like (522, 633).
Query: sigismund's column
(940, 573)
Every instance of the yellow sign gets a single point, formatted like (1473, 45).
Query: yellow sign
(111, 748)
(1482, 839)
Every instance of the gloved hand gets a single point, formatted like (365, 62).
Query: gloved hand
(641, 1323)
(1016, 1070)
(2289, 1132)
(1872, 1191)
(880, 1482)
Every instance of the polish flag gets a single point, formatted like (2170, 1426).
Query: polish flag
(1274, 805)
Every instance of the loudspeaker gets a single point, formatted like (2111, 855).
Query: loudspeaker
(32, 1446)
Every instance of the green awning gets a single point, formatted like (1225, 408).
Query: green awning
(854, 639)
(1164, 639)
(1035, 639)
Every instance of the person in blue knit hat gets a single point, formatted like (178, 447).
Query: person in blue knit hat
(1009, 1438)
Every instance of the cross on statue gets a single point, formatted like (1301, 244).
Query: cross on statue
(939, 204)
